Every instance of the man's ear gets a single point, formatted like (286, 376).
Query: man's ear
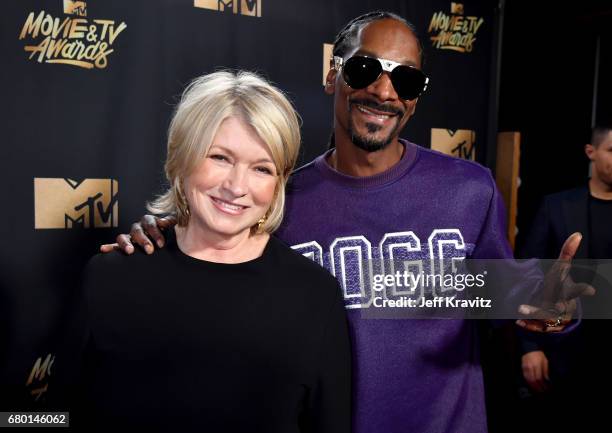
(330, 81)
(589, 149)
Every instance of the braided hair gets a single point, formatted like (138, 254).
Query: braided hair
(347, 37)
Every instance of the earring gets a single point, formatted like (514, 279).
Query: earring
(260, 223)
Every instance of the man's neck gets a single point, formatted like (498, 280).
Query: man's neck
(600, 189)
(353, 161)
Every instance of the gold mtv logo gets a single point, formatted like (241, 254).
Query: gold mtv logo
(66, 203)
(250, 8)
(75, 7)
(457, 8)
(459, 143)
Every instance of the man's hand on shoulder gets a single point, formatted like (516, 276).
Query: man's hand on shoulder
(143, 233)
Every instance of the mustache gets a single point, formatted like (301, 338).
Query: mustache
(385, 108)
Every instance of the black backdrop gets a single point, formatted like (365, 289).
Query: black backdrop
(63, 121)
(547, 92)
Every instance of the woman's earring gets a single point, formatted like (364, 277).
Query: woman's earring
(260, 223)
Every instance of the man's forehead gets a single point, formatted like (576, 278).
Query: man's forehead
(389, 39)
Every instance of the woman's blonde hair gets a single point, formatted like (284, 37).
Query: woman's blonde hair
(205, 104)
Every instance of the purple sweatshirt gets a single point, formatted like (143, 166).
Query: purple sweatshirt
(409, 375)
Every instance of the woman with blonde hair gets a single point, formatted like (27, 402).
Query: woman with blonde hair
(225, 329)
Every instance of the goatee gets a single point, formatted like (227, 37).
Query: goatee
(368, 142)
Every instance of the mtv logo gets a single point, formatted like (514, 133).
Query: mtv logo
(66, 203)
(459, 143)
(457, 8)
(217, 5)
(75, 7)
(327, 56)
(250, 8)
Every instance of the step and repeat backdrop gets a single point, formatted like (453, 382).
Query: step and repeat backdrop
(88, 89)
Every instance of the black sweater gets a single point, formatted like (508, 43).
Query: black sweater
(174, 343)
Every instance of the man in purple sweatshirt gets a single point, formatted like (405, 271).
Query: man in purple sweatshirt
(373, 195)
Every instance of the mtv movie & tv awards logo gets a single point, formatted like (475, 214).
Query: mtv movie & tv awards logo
(72, 39)
(455, 31)
(38, 381)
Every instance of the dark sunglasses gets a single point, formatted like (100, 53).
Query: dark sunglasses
(361, 71)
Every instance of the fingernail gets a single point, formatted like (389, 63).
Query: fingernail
(523, 309)
(160, 243)
(521, 323)
(130, 249)
(149, 249)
